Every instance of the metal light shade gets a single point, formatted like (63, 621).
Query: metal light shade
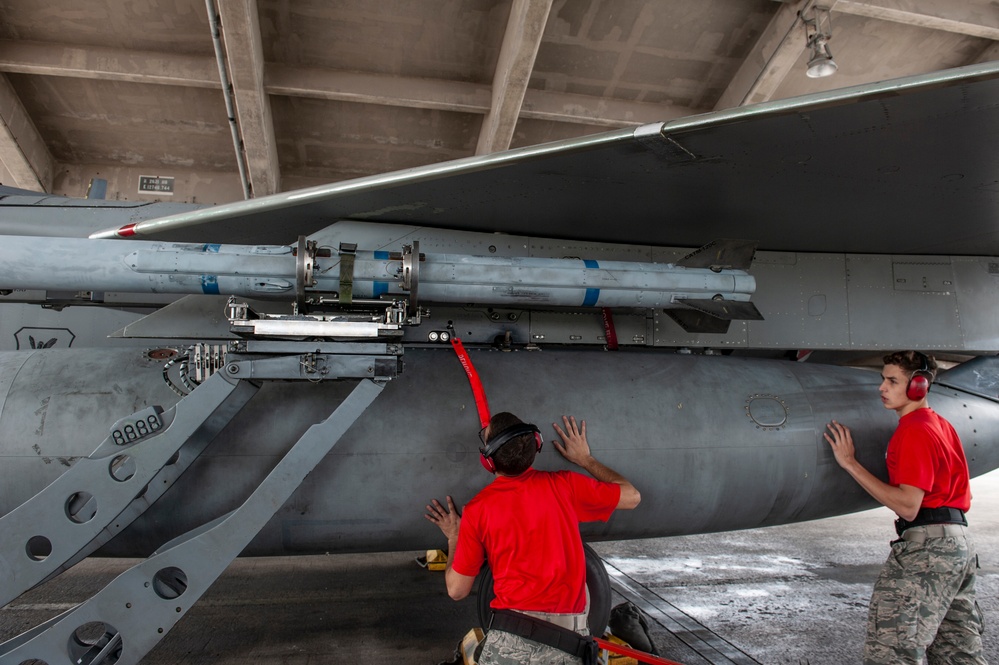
(818, 32)
(821, 63)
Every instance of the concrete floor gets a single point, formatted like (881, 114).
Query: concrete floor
(794, 594)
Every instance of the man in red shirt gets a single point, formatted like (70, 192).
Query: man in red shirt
(526, 524)
(923, 603)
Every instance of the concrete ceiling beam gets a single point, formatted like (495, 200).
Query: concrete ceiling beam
(245, 58)
(524, 31)
(960, 17)
(111, 64)
(22, 151)
(380, 89)
(284, 80)
(459, 97)
(769, 61)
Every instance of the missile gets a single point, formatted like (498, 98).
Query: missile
(274, 272)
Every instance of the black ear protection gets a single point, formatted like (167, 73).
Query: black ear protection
(495, 443)
(919, 382)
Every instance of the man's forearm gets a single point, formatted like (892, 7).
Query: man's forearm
(630, 496)
(903, 501)
(458, 585)
(601, 471)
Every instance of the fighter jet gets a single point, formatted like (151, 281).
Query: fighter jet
(299, 373)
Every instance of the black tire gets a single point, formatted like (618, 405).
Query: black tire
(596, 580)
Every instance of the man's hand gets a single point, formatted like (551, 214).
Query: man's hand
(575, 449)
(447, 519)
(842, 443)
(905, 500)
(573, 446)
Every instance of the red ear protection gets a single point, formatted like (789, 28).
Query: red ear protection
(918, 386)
(486, 452)
(919, 382)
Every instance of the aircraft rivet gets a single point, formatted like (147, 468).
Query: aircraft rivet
(128, 605)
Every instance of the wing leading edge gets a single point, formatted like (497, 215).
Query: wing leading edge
(897, 167)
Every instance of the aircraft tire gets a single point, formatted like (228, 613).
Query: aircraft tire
(596, 580)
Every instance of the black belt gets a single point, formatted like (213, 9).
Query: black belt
(942, 515)
(546, 633)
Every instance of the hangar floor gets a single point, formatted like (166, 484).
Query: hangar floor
(794, 594)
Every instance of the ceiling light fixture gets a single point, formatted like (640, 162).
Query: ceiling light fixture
(818, 32)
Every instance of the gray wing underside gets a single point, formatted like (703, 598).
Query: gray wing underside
(909, 166)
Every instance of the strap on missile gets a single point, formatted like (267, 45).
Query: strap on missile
(347, 250)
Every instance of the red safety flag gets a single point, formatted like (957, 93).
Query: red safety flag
(481, 405)
(610, 334)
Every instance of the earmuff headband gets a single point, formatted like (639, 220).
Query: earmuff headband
(506, 435)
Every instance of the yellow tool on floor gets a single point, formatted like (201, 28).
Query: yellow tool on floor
(610, 658)
(434, 560)
(469, 644)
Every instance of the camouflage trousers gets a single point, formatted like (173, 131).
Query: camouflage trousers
(923, 605)
(503, 648)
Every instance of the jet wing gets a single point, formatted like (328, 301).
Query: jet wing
(908, 166)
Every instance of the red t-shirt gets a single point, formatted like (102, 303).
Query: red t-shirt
(528, 528)
(925, 452)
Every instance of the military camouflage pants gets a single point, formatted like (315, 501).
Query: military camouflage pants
(923, 603)
(502, 648)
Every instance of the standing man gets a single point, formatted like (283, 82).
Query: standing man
(924, 599)
(526, 525)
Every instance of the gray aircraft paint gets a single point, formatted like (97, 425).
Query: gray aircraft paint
(712, 443)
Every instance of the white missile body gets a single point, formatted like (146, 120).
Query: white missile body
(269, 272)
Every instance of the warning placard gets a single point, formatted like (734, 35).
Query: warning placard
(155, 184)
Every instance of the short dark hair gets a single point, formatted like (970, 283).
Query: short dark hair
(516, 455)
(913, 361)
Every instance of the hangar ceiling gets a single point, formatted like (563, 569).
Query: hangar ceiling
(321, 91)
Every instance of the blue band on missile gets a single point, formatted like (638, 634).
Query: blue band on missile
(380, 288)
(211, 247)
(591, 294)
(210, 284)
